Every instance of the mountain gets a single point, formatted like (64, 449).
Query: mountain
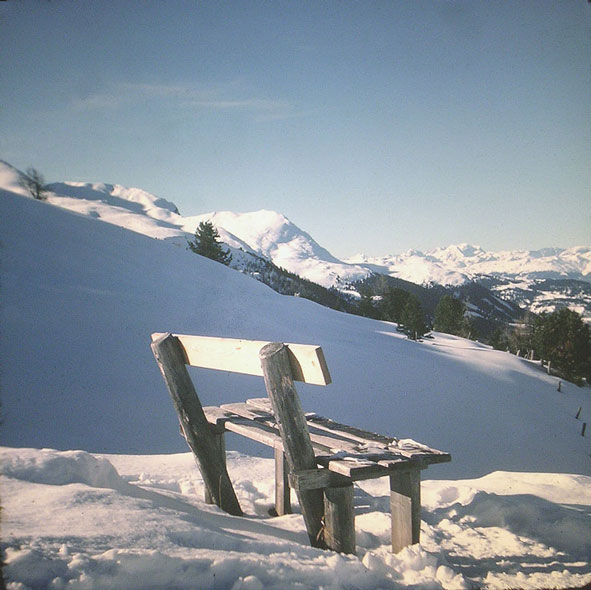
(274, 237)
(265, 244)
(457, 264)
(537, 280)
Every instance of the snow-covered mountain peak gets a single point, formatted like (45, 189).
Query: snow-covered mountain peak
(458, 252)
(275, 237)
(262, 230)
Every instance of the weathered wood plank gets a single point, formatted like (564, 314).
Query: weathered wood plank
(322, 442)
(221, 448)
(339, 519)
(351, 432)
(356, 470)
(282, 489)
(331, 440)
(314, 479)
(412, 447)
(261, 403)
(354, 464)
(297, 445)
(307, 361)
(405, 505)
(170, 359)
(337, 429)
(247, 428)
(247, 411)
(216, 416)
(241, 422)
(355, 440)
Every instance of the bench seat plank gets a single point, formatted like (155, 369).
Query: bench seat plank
(330, 441)
(240, 425)
(335, 453)
(351, 432)
(356, 470)
(363, 440)
(256, 429)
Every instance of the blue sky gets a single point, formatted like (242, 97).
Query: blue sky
(375, 126)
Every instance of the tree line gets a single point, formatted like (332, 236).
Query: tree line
(404, 308)
(561, 339)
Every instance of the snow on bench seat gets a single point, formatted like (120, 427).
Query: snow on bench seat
(355, 453)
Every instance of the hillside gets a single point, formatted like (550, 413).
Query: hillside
(81, 297)
(79, 300)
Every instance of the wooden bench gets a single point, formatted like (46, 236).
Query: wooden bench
(317, 457)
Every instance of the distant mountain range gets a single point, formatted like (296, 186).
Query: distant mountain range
(265, 242)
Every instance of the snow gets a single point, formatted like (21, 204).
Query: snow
(81, 298)
(142, 524)
(79, 301)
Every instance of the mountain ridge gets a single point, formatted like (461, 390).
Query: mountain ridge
(525, 276)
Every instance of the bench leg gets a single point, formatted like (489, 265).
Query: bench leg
(339, 519)
(282, 490)
(405, 504)
(220, 445)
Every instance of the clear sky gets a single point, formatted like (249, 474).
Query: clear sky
(375, 126)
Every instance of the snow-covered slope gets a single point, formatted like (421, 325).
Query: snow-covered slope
(80, 299)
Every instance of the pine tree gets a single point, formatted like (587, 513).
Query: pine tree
(564, 339)
(393, 303)
(413, 319)
(449, 316)
(206, 243)
(366, 306)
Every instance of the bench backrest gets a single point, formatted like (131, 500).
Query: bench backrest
(242, 356)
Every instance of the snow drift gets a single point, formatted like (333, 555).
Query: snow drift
(148, 528)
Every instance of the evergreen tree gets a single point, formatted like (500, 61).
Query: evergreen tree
(564, 339)
(206, 243)
(449, 316)
(392, 304)
(366, 306)
(34, 184)
(499, 339)
(413, 318)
